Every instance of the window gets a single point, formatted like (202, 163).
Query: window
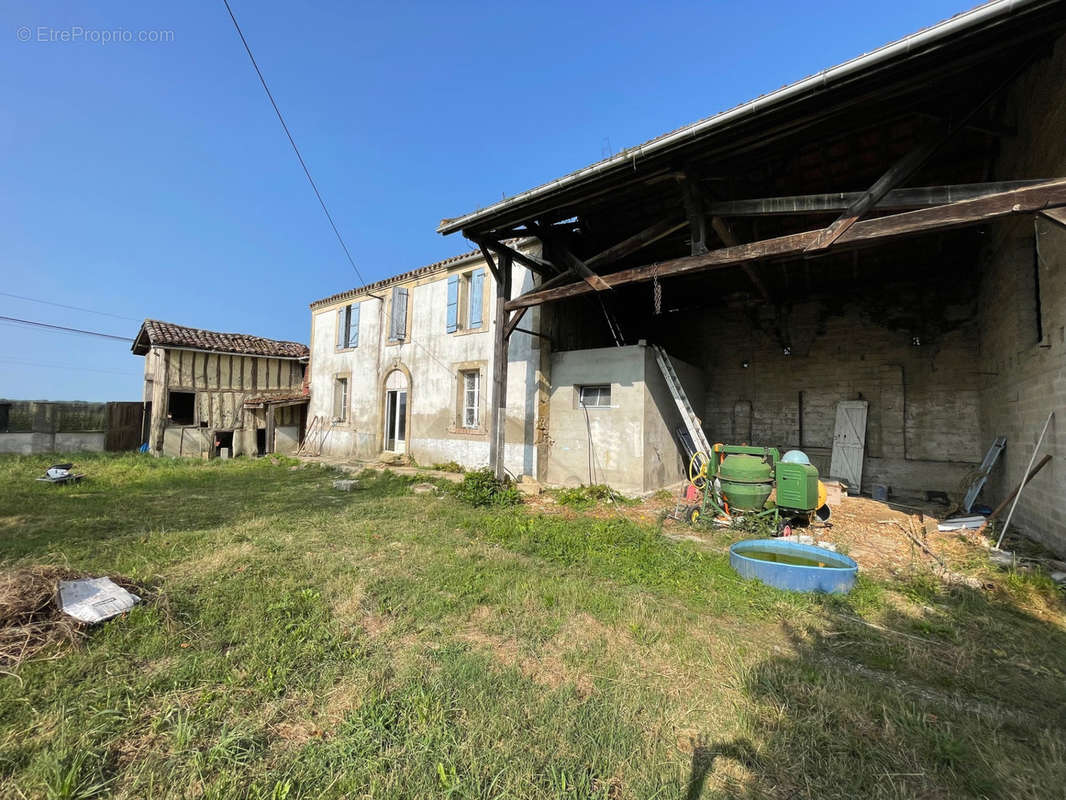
(398, 316)
(466, 300)
(598, 396)
(348, 326)
(340, 399)
(181, 408)
(471, 397)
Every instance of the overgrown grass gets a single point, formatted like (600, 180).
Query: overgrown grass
(583, 497)
(304, 642)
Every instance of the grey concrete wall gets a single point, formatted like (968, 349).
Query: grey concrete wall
(614, 435)
(54, 427)
(1027, 377)
(24, 443)
(430, 358)
(633, 447)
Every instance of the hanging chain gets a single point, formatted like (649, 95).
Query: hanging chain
(657, 291)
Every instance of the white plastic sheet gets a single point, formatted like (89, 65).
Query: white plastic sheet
(93, 600)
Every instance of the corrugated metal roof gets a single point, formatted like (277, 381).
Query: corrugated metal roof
(156, 333)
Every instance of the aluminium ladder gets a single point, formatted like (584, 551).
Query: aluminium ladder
(688, 416)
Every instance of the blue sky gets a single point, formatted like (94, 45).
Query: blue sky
(153, 180)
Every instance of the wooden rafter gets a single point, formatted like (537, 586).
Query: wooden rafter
(538, 265)
(896, 200)
(1029, 200)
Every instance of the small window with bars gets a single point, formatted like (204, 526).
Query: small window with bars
(595, 396)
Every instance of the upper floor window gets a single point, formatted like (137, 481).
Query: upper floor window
(348, 326)
(466, 301)
(398, 315)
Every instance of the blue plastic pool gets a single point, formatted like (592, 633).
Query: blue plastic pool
(793, 566)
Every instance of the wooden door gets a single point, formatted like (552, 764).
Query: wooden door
(849, 442)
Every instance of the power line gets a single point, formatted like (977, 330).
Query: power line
(21, 363)
(71, 308)
(314, 186)
(63, 328)
(292, 141)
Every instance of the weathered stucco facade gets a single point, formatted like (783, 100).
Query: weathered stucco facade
(425, 334)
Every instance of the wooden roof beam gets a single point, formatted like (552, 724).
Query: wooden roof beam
(1029, 200)
(896, 200)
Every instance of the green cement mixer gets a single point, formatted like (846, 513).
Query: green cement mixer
(738, 479)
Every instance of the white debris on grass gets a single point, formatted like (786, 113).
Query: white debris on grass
(93, 600)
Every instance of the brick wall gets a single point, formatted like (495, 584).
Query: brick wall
(1022, 342)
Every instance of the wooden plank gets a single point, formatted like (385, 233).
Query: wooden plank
(270, 429)
(697, 215)
(512, 323)
(896, 200)
(1032, 199)
(538, 265)
(586, 274)
(1055, 215)
(498, 404)
(491, 262)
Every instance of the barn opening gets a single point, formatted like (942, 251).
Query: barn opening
(854, 238)
(223, 441)
(181, 407)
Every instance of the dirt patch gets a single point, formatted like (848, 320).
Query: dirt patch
(30, 619)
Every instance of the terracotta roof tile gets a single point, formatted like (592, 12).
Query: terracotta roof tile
(155, 333)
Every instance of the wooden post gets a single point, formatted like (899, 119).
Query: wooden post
(270, 430)
(498, 407)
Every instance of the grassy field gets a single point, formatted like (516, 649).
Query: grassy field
(304, 642)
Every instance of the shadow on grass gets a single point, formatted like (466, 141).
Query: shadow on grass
(962, 698)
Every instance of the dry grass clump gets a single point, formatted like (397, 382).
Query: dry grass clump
(30, 619)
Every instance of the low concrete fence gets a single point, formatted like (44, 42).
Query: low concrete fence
(29, 426)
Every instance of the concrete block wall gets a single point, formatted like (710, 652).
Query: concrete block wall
(54, 427)
(1023, 341)
(923, 430)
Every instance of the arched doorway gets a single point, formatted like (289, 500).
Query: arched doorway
(396, 412)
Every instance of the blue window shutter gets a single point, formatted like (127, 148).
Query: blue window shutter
(353, 326)
(340, 326)
(477, 282)
(453, 304)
